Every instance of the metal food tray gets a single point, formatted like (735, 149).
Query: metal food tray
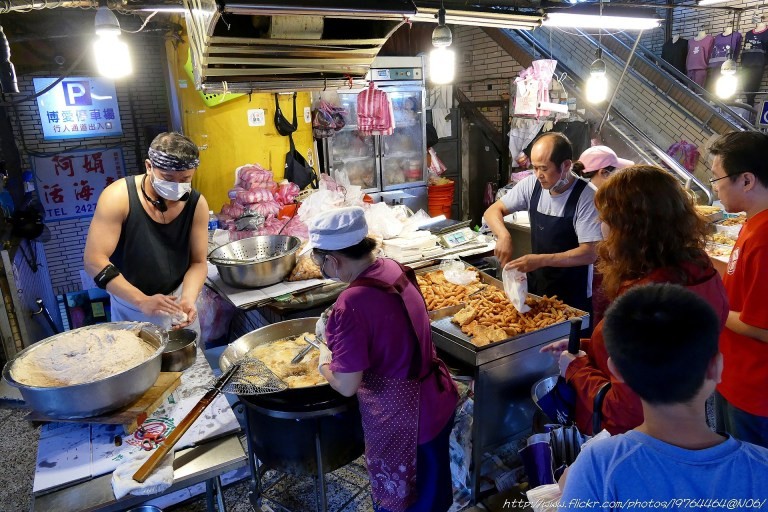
(448, 336)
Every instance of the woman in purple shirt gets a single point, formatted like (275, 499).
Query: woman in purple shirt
(379, 346)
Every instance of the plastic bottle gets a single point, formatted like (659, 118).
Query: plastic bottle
(213, 224)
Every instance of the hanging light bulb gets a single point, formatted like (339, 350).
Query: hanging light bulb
(113, 59)
(442, 61)
(726, 85)
(597, 84)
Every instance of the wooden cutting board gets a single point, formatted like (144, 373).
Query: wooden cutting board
(132, 415)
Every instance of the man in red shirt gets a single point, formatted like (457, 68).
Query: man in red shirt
(740, 179)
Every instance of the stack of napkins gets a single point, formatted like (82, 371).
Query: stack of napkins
(411, 246)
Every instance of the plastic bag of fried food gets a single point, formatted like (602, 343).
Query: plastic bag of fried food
(439, 293)
(489, 313)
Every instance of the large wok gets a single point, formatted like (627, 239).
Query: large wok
(319, 395)
(97, 397)
(289, 430)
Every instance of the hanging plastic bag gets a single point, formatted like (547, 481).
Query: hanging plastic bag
(516, 287)
(455, 272)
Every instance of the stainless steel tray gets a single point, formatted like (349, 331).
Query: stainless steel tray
(448, 336)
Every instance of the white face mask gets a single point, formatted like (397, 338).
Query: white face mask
(562, 182)
(171, 190)
(328, 276)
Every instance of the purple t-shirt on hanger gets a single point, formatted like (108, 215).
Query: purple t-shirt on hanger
(723, 46)
(698, 53)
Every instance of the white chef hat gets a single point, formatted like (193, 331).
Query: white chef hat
(337, 229)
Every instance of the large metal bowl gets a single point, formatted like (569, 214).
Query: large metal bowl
(274, 256)
(97, 397)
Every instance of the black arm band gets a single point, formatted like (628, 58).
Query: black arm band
(107, 274)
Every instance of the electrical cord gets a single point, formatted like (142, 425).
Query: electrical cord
(51, 86)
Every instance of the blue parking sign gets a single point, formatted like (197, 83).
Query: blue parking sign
(762, 121)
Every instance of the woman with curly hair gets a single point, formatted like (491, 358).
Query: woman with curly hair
(652, 234)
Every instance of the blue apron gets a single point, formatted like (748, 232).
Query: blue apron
(550, 235)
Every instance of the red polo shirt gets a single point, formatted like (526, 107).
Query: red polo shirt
(745, 372)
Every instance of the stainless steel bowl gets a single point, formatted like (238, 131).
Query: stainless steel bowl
(97, 397)
(274, 256)
(181, 351)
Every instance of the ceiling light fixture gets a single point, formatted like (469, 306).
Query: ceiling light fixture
(711, 2)
(597, 84)
(113, 60)
(442, 60)
(611, 18)
(8, 83)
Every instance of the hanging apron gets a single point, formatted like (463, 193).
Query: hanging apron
(550, 235)
(389, 408)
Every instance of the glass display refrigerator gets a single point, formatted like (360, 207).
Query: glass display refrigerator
(390, 168)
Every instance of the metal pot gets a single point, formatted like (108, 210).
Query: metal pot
(274, 256)
(97, 397)
(181, 351)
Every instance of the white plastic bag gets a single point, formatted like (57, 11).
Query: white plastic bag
(455, 272)
(516, 287)
(383, 221)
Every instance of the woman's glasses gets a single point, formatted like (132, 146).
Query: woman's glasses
(317, 258)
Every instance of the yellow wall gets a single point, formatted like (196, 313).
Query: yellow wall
(230, 141)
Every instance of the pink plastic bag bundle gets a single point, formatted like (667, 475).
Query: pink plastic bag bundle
(287, 192)
(374, 112)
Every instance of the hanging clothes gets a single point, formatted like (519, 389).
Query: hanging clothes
(375, 115)
(724, 46)
(675, 53)
(685, 153)
(753, 60)
(698, 58)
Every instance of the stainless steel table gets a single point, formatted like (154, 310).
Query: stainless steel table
(203, 463)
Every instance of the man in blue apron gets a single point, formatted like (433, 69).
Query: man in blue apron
(148, 240)
(565, 227)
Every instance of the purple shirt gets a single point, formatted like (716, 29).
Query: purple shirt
(723, 46)
(368, 330)
(698, 53)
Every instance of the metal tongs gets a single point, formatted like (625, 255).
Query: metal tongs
(304, 351)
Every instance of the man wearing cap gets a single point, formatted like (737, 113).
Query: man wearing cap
(379, 347)
(597, 163)
(147, 243)
(565, 227)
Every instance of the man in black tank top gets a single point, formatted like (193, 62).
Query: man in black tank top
(148, 240)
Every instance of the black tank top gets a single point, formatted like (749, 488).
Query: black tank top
(154, 257)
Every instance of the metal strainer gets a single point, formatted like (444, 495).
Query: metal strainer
(257, 261)
(254, 249)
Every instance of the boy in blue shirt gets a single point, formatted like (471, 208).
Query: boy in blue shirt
(662, 341)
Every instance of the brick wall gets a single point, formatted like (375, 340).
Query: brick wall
(146, 91)
(688, 22)
(483, 69)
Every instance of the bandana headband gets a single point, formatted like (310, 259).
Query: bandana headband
(170, 162)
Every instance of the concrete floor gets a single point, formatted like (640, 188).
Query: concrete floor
(18, 453)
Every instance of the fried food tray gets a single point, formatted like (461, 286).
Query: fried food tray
(449, 337)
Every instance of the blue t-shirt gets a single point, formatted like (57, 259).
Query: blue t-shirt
(634, 471)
